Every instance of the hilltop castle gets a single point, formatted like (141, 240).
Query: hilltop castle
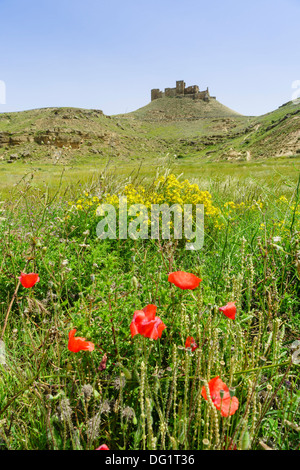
(181, 91)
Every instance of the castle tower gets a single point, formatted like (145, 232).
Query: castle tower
(180, 86)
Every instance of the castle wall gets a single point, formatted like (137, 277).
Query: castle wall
(202, 95)
(191, 90)
(156, 93)
(170, 92)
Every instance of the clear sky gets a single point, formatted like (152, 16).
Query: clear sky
(108, 54)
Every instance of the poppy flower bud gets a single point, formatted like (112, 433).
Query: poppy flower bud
(134, 282)
(245, 443)
(127, 373)
(231, 392)
(222, 392)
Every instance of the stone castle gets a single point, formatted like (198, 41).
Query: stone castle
(181, 91)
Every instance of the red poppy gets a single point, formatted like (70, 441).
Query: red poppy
(227, 405)
(28, 280)
(145, 323)
(190, 343)
(184, 280)
(229, 310)
(103, 447)
(79, 344)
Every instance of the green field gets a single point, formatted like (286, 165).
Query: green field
(134, 392)
(276, 173)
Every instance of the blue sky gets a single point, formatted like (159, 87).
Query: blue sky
(109, 54)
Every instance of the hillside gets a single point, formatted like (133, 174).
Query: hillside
(274, 134)
(64, 134)
(181, 109)
(185, 128)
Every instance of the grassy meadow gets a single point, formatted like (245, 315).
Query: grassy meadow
(134, 392)
(277, 174)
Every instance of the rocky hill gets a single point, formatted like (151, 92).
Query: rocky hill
(181, 127)
(182, 109)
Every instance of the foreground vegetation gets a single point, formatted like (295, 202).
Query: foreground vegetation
(134, 392)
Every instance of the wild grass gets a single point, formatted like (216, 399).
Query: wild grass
(138, 393)
(278, 175)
